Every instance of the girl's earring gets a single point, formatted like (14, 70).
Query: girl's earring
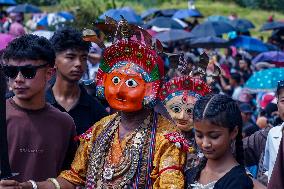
(232, 145)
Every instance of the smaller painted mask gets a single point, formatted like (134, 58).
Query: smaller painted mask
(180, 108)
(179, 96)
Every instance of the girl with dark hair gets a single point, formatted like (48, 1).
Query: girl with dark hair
(218, 125)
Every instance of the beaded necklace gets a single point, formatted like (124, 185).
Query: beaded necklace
(133, 169)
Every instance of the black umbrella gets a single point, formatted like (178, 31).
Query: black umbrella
(242, 25)
(7, 2)
(26, 8)
(211, 28)
(166, 12)
(148, 13)
(272, 26)
(5, 166)
(173, 35)
(209, 42)
(165, 22)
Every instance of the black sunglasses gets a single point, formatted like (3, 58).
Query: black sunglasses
(28, 71)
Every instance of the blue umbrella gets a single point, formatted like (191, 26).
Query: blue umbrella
(173, 35)
(66, 15)
(249, 44)
(7, 2)
(242, 25)
(116, 14)
(210, 28)
(52, 19)
(209, 42)
(272, 26)
(186, 13)
(148, 12)
(26, 8)
(165, 22)
(265, 80)
(271, 56)
(218, 18)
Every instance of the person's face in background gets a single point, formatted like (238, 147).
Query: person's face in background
(243, 65)
(71, 64)
(246, 116)
(280, 103)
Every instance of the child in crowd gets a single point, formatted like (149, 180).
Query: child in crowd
(218, 125)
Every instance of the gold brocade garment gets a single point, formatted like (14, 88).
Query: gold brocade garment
(168, 159)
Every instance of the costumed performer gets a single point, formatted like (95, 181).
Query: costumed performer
(128, 149)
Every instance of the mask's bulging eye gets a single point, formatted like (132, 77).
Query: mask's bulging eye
(189, 111)
(131, 83)
(176, 109)
(115, 80)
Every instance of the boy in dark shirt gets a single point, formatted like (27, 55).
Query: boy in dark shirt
(40, 137)
(66, 94)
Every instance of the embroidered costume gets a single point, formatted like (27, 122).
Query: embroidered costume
(129, 79)
(166, 159)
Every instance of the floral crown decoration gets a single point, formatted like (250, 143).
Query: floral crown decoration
(194, 87)
(132, 44)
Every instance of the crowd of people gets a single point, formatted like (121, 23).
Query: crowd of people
(80, 114)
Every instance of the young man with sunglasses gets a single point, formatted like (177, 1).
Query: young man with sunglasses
(66, 94)
(40, 137)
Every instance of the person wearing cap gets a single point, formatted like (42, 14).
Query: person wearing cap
(275, 134)
(266, 99)
(249, 127)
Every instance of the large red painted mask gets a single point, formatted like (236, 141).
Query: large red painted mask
(129, 77)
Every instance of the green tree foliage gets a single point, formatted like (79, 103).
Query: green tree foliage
(87, 11)
(39, 2)
(276, 5)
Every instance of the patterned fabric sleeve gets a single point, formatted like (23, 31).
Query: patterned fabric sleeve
(77, 174)
(168, 160)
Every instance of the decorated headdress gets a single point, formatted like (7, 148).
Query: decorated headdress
(185, 85)
(131, 44)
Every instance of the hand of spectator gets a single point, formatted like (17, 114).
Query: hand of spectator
(26, 185)
(258, 185)
(10, 184)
